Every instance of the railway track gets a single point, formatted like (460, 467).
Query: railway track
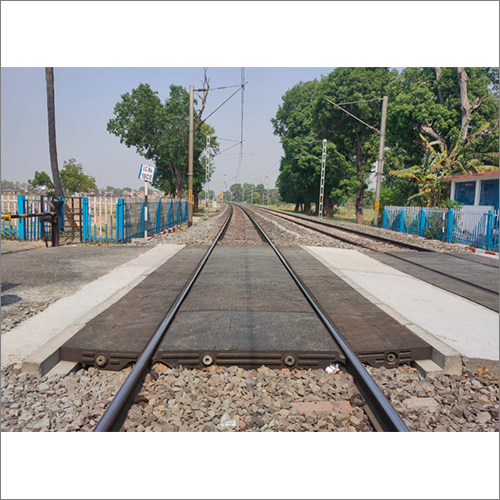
(485, 296)
(383, 416)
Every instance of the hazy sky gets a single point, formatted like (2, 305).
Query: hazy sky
(84, 102)
(97, 61)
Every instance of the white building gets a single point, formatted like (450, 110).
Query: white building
(476, 190)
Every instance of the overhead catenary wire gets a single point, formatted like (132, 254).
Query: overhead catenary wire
(242, 86)
(357, 102)
(355, 117)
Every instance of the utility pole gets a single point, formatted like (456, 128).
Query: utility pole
(207, 166)
(380, 161)
(322, 182)
(190, 160)
(252, 194)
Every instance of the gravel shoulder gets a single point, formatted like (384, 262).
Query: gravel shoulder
(34, 276)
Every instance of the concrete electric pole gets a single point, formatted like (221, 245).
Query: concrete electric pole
(190, 159)
(380, 161)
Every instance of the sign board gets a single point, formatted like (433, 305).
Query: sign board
(147, 173)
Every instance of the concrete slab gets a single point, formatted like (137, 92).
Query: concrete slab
(63, 368)
(68, 314)
(427, 367)
(465, 327)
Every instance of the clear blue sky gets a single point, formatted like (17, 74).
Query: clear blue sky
(100, 52)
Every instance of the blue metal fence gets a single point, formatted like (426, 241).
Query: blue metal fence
(120, 225)
(469, 226)
(162, 214)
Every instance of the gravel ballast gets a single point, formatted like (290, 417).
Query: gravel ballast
(261, 400)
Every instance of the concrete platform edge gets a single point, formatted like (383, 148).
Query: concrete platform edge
(46, 357)
(449, 360)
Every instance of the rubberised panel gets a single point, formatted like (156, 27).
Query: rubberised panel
(481, 275)
(472, 272)
(244, 301)
(370, 332)
(477, 258)
(248, 330)
(122, 331)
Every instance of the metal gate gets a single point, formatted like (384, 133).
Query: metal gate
(71, 221)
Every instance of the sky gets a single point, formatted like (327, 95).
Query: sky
(101, 50)
(84, 103)
(90, 81)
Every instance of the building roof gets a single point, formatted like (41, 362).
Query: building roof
(469, 176)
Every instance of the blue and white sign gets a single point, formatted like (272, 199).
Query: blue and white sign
(147, 173)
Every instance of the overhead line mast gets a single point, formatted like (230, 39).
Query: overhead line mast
(241, 135)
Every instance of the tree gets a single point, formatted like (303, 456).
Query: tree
(300, 168)
(41, 179)
(441, 163)
(160, 132)
(49, 77)
(74, 180)
(355, 141)
(436, 128)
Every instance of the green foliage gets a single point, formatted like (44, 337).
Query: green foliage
(433, 226)
(41, 179)
(356, 142)
(438, 164)
(420, 102)
(160, 132)
(300, 168)
(73, 179)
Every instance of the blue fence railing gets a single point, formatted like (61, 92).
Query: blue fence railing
(162, 214)
(122, 221)
(469, 226)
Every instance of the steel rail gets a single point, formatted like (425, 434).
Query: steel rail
(116, 413)
(360, 233)
(396, 243)
(383, 411)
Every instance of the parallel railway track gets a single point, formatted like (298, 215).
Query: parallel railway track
(488, 297)
(383, 416)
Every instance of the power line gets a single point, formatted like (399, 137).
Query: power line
(356, 102)
(355, 117)
(242, 86)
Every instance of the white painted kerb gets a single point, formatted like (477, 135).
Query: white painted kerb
(21, 342)
(469, 328)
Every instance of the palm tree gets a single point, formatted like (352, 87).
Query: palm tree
(49, 76)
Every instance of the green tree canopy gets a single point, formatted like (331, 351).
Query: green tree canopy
(73, 179)
(41, 179)
(361, 89)
(160, 132)
(300, 168)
